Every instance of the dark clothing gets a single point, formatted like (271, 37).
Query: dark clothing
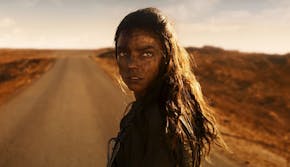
(143, 142)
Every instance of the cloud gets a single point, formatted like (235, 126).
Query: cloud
(9, 37)
(57, 2)
(187, 10)
(34, 3)
(279, 15)
(8, 30)
(7, 22)
(16, 30)
(30, 3)
(238, 20)
(262, 30)
(8, 26)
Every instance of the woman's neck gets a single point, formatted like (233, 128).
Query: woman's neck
(139, 96)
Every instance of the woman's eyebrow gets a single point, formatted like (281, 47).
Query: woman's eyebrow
(121, 48)
(148, 47)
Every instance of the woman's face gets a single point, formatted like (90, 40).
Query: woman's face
(139, 54)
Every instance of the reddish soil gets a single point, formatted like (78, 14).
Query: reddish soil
(19, 67)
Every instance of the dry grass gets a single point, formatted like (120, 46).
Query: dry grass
(18, 68)
(250, 93)
(107, 62)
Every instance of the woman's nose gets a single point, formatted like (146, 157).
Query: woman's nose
(133, 62)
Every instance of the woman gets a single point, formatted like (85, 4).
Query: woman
(169, 124)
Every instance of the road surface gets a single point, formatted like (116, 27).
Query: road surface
(64, 119)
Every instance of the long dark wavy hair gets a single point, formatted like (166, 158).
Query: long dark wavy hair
(180, 95)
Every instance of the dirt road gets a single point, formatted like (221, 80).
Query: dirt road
(64, 119)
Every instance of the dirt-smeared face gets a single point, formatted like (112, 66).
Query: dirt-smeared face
(139, 54)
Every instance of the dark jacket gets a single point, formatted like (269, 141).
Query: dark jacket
(142, 140)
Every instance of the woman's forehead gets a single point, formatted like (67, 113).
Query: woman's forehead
(138, 38)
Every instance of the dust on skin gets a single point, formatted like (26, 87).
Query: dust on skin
(139, 55)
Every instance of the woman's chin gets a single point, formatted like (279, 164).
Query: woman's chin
(134, 89)
(137, 91)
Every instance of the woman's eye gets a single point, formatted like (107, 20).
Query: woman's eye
(147, 54)
(122, 54)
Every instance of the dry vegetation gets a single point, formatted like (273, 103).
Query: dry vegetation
(250, 93)
(19, 67)
(105, 58)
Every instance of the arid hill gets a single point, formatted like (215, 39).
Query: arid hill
(18, 67)
(251, 95)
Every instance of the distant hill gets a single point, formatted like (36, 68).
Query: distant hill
(261, 80)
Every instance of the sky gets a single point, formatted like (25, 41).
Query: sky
(245, 25)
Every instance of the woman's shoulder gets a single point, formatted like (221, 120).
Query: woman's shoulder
(129, 114)
(186, 142)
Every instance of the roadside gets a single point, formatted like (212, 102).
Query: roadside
(18, 68)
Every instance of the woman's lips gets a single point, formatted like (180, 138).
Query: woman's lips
(133, 78)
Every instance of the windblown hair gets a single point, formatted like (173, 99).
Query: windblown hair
(180, 95)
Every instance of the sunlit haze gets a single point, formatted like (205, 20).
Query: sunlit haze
(246, 25)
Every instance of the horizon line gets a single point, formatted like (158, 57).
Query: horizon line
(105, 47)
